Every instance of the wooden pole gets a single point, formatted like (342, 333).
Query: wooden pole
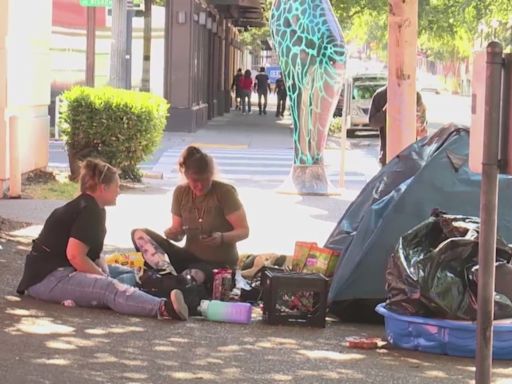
(401, 107)
(91, 46)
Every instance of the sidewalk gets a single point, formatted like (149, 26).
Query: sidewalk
(50, 343)
(276, 220)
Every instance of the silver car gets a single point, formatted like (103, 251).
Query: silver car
(356, 108)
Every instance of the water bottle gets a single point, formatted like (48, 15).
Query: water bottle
(226, 311)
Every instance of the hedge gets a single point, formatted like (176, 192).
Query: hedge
(119, 126)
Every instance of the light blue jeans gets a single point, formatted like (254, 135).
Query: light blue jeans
(123, 274)
(88, 290)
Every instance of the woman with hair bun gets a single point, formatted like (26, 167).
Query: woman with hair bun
(64, 263)
(205, 211)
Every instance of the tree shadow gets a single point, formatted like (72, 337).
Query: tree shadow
(43, 342)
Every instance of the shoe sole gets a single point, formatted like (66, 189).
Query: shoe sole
(178, 303)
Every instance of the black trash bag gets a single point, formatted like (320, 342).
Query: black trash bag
(433, 270)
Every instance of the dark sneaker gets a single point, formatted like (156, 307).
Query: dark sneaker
(174, 307)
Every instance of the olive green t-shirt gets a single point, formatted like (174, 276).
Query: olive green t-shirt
(207, 214)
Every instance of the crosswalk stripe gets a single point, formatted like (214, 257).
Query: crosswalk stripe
(266, 165)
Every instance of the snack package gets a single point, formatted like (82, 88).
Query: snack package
(300, 254)
(134, 260)
(321, 260)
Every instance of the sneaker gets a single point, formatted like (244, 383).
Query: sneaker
(174, 307)
(264, 112)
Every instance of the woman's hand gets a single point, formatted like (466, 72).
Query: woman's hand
(102, 264)
(214, 240)
(174, 234)
(76, 253)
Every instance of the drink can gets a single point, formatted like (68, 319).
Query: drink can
(222, 282)
(226, 285)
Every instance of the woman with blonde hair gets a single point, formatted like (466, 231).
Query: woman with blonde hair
(65, 264)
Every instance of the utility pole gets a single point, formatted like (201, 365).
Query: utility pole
(146, 60)
(118, 51)
(488, 213)
(91, 46)
(402, 52)
(129, 32)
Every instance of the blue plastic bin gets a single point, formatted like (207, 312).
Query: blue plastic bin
(448, 337)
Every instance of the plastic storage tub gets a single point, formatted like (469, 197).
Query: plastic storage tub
(448, 337)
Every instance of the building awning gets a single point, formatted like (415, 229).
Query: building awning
(242, 13)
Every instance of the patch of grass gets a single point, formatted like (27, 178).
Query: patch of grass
(52, 190)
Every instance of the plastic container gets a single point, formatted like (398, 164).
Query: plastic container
(225, 311)
(448, 337)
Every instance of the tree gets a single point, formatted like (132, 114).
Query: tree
(447, 28)
(145, 83)
(252, 37)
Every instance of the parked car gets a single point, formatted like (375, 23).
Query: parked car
(430, 83)
(357, 107)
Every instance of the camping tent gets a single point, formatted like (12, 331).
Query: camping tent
(431, 173)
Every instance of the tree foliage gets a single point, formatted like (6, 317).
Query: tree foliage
(447, 29)
(252, 37)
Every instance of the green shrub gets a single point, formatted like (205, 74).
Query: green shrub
(120, 126)
(336, 126)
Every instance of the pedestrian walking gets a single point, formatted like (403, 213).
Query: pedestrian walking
(378, 119)
(235, 86)
(262, 86)
(245, 91)
(280, 90)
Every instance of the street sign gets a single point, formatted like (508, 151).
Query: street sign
(96, 3)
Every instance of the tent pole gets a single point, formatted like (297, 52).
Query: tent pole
(488, 214)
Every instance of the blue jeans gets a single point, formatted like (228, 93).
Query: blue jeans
(123, 274)
(245, 97)
(88, 290)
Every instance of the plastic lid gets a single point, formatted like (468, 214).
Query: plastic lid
(203, 307)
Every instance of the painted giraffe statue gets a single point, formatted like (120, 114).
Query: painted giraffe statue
(311, 52)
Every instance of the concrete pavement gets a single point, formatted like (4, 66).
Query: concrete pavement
(50, 343)
(255, 154)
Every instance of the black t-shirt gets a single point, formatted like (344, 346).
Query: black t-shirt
(82, 219)
(280, 87)
(236, 82)
(262, 82)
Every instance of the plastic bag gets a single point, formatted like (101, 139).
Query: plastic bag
(133, 260)
(433, 270)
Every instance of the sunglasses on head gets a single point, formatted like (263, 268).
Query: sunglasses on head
(103, 173)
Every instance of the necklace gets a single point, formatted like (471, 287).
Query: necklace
(199, 212)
